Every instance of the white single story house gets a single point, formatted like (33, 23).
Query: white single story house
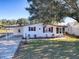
(43, 31)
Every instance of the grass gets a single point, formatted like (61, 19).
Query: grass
(65, 48)
(5, 30)
(66, 39)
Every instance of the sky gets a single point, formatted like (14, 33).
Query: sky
(13, 9)
(67, 20)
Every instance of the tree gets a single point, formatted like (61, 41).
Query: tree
(4, 21)
(22, 21)
(53, 10)
(74, 4)
(11, 22)
(8, 22)
(46, 10)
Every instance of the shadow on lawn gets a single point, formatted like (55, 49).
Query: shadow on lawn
(49, 50)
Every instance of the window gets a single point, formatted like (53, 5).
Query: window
(60, 30)
(32, 28)
(51, 29)
(48, 29)
(39, 28)
(29, 28)
(19, 30)
(43, 29)
(63, 29)
(57, 30)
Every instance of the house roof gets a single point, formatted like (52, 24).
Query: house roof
(58, 25)
(14, 26)
(11, 26)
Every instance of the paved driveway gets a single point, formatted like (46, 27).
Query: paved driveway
(8, 47)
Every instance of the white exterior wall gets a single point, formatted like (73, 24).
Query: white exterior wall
(32, 33)
(14, 30)
(39, 33)
(73, 30)
(76, 32)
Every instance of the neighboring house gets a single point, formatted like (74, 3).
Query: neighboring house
(72, 26)
(73, 29)
(43, 30)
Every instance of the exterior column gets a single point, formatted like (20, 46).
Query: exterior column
(54, 30)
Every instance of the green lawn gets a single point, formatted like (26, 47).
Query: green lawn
(66, 39)
(50, 49)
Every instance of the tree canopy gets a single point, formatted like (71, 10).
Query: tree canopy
(21, 21)
(74, 5)
(53, 10)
